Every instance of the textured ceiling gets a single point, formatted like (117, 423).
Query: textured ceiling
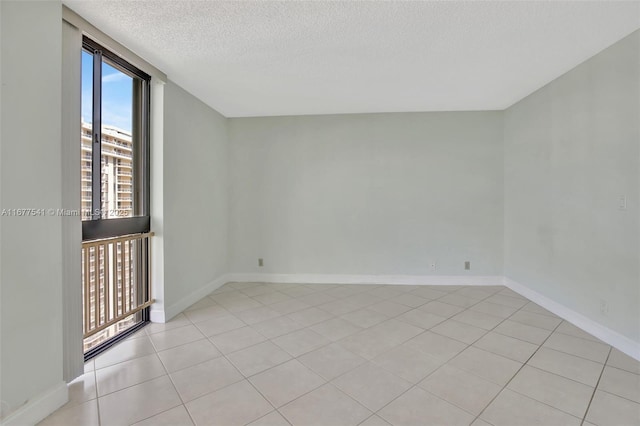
(289, 58)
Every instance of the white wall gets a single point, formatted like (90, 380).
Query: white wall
(30, 177)
(571, 150)
(195, 228)
(71, 230)
(367, 194)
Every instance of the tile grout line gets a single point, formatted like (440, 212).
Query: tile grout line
(595, 388)
(616, 395)
(162, 412)
(412, 384)
(275, 410)
(157, 353)
(327, 382)
(244, 378)
(544, 403)
(135, 384)
(268, 339)
(176, 391)
(147, 381)
(95, 380)
(467, 347)
(258, 390)
(574, 355)
(556, 375)
(372, 414)
(306, 327)
(516, 373)
(449, 359)
(208, 393)
(167, 373)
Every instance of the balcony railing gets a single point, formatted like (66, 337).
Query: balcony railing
(114, 153)
(111, 274)
(117, 143)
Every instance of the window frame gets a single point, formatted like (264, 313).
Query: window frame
(99, 227)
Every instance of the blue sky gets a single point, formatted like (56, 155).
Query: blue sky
(117, 92)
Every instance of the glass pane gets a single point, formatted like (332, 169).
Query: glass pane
(112, 331)
(113, 272)
(117, 143)
(86, 132)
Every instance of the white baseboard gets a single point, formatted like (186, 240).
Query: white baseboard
(613, 338)
(39, 407)
(157, 315)
(188, 300)
(368, 279)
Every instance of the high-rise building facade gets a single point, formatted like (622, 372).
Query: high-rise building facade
(115, 274)
(117, 176)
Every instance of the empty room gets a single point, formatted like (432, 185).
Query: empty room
(335, 213)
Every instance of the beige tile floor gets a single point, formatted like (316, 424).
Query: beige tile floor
(280, 354)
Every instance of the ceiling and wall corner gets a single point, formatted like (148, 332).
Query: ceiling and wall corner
(296, 58)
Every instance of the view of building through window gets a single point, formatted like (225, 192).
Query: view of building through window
(117, 172)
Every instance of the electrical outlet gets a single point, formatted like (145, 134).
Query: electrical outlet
(622, 202)
(467, 265)
(433, 265)
(261, 262)
(604, 307)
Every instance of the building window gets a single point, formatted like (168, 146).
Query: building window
(115, 205)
